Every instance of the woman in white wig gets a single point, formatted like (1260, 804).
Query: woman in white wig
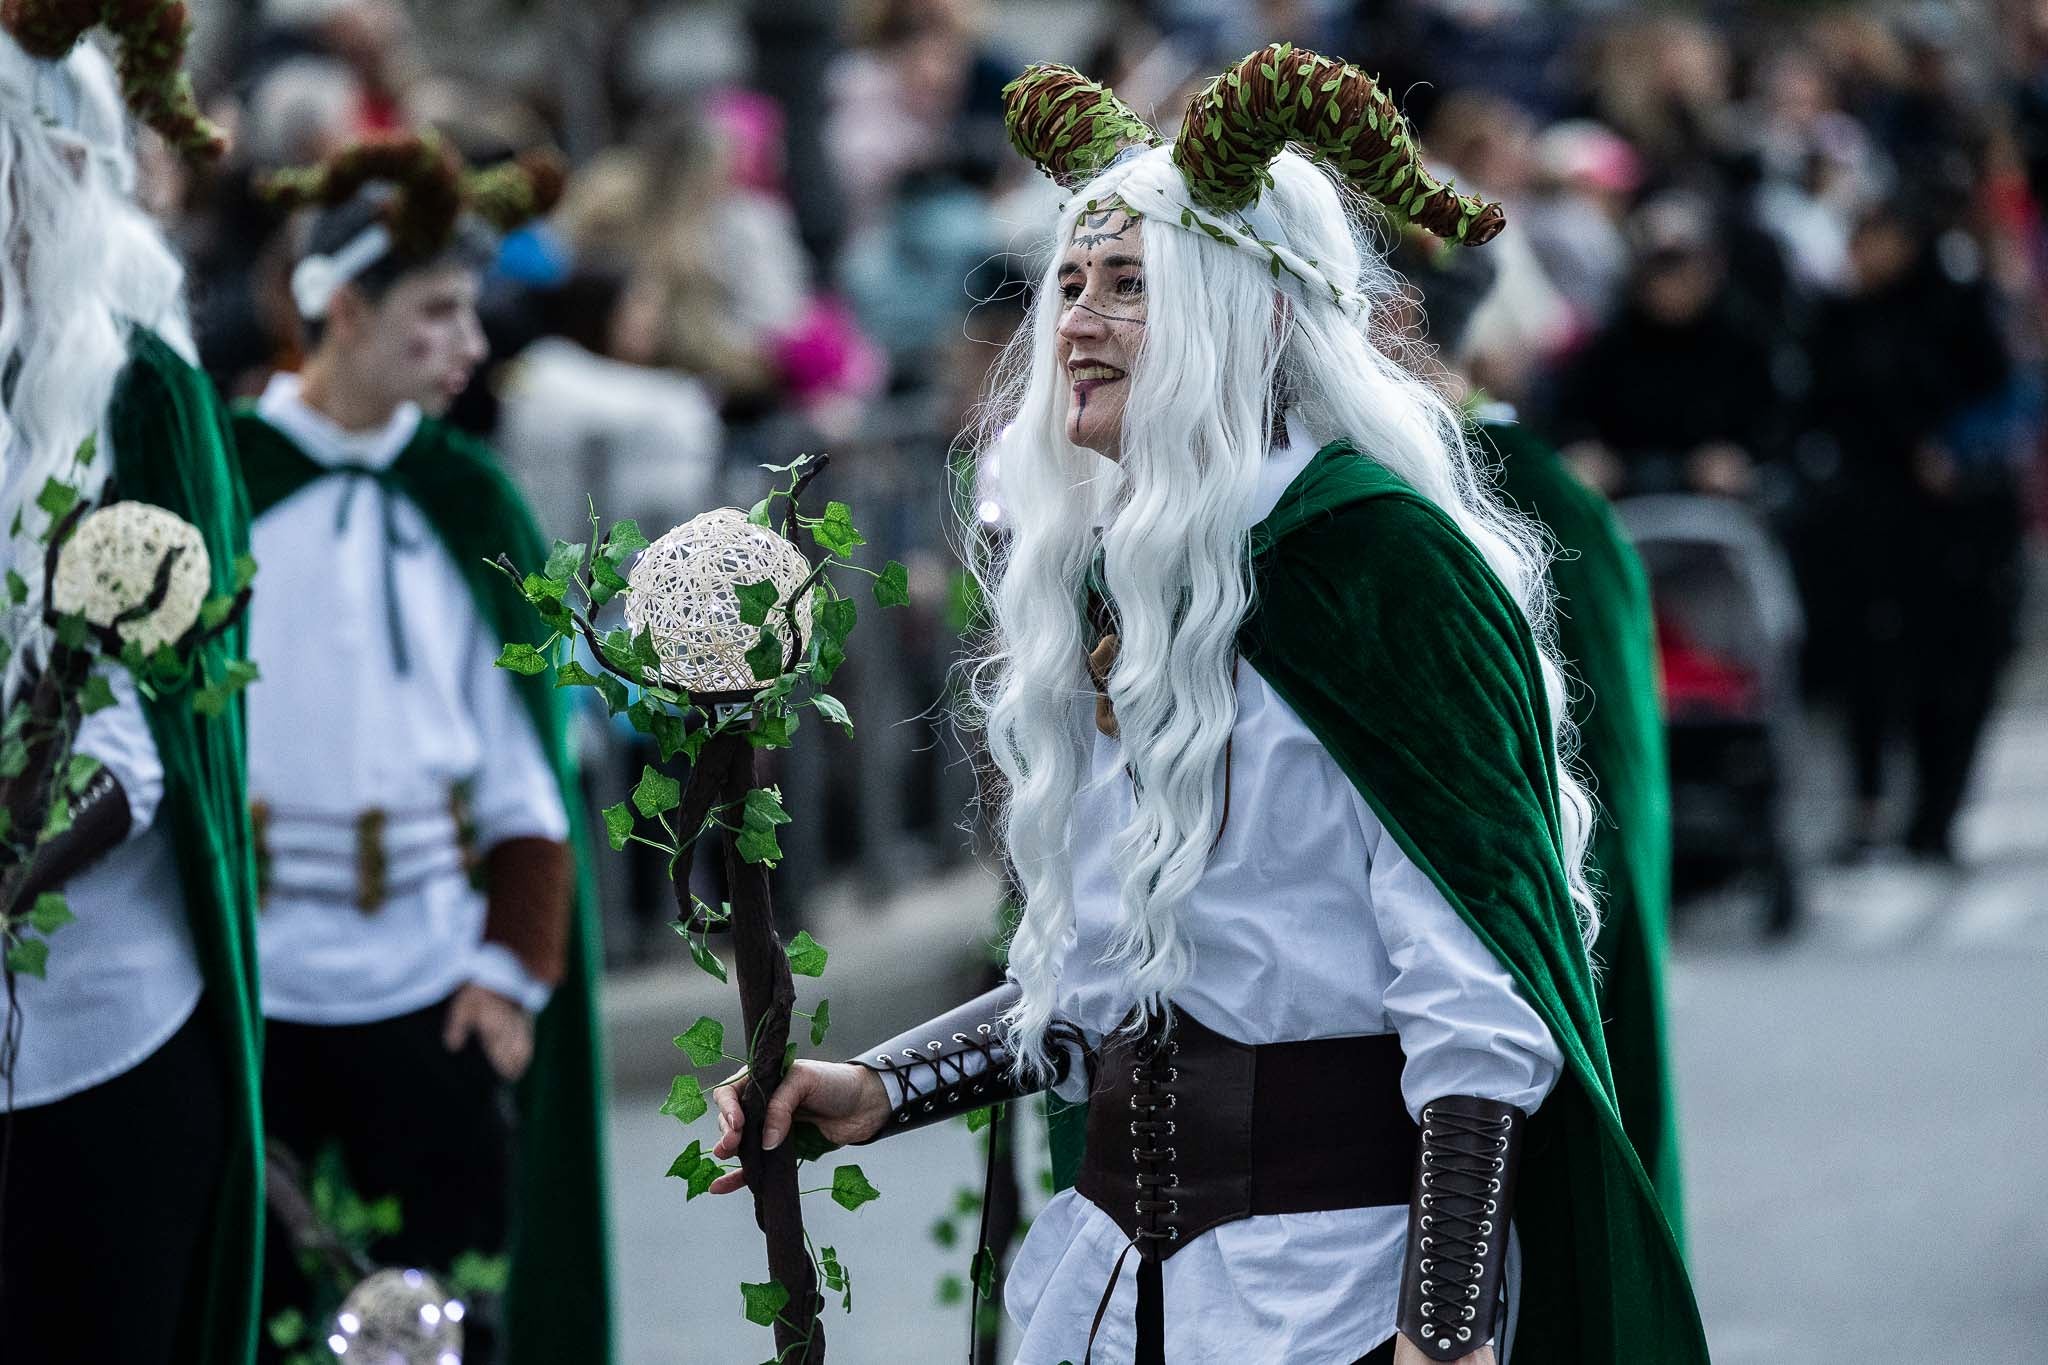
(130, 1177)
(1305, 924)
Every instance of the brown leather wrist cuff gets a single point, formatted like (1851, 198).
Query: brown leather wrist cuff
(100, 820)
(528, 883)
(1452, 1280)
(957, 1062)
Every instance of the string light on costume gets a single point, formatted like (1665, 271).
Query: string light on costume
(119, 558)
(683, 591)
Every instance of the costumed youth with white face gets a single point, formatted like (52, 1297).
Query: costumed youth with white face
(424, 945)
(1305, 924)
(131, 1178)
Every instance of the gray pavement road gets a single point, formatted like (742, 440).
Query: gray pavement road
(1862, 1111)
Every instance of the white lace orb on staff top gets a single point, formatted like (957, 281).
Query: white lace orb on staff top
(398, 1317)
(683, 589)
(111, 564)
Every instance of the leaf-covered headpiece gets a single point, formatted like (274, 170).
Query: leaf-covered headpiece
(432, 188)
(1069, 126)
(151, 35)
(1072, 128)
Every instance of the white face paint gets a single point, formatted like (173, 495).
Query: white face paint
(422, 341)
(1102, 324)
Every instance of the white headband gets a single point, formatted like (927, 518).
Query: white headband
(317, 279)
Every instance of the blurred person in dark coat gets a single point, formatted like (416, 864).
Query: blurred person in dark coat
(1677, 391)
(1911, 550)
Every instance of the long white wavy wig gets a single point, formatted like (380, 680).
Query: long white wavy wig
(80, 265)
(1230, 347)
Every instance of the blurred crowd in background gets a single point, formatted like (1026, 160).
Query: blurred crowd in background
(1785, 257)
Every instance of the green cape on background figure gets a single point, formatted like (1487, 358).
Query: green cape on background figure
(558, 1302)
(1607, 635)
(1434, 708)
(172, 448)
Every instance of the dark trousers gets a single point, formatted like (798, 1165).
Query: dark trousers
(106, 1198)
(412, 1120)
(1913, 618)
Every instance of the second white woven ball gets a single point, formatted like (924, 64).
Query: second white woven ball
(684, 587)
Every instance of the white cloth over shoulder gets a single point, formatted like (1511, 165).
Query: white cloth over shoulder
(1309, 922)
(123, 976)
(336, 730)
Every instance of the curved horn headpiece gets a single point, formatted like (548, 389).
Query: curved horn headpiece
(152, 35)
(1067, 125)
(1241, 120)
(433, 186)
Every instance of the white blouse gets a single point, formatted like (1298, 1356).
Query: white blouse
(336, 730)
(1309, 922)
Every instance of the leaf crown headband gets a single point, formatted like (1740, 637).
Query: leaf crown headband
(430, 191)
(1073, 129)
(151, 35)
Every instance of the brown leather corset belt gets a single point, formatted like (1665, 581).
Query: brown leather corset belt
(1188, 1130)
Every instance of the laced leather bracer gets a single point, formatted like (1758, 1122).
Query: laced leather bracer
(1452, 1279)
(957, 1062)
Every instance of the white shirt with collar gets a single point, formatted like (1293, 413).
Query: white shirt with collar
(1308, 922)
(336, 729)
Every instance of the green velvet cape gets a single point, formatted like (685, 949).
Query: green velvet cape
(558, 1303)
(1384, 630)
(172, 448)
(1606, 633)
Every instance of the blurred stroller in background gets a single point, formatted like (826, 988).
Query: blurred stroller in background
(1729, 629)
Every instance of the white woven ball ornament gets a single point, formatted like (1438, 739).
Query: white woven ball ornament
(682, 590)
(111, 562)
(398, 1317)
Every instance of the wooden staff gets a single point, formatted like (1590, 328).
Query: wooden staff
(722, 777)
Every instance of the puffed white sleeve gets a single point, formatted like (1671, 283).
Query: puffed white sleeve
(118, 736)
(515, 795)
(1464, 1023)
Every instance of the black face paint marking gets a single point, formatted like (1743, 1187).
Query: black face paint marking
(1107, 317)
(1093, 229)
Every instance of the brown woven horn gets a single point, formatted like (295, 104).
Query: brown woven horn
(509, 194)
(152, 35)
(1338, 114)
(433, 187)
(1070, 127)
(422, 168)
